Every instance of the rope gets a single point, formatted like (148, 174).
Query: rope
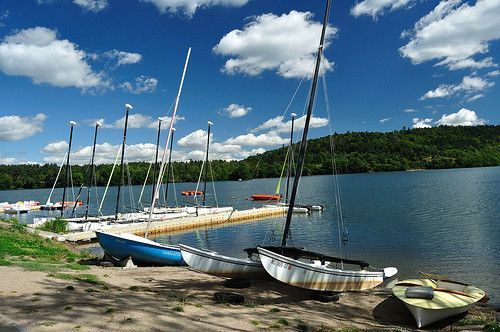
(213, 184)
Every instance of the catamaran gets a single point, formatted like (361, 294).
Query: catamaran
(307, 269)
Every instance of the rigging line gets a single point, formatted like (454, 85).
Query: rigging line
(131, 192)
(198, 184)
(213, 184)
(57, 178)
(71, 179)
(95, 188)
(338, 202)
(145, 181)
(293, 96)
(173, 186)
(109, 180)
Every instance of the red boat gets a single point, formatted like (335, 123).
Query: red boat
(265, 197)
(192, 193)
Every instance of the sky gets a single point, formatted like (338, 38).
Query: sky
(387, 64)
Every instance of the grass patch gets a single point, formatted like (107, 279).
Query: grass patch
(255, 322)
(301, 325)
(57, 225)
(68, 307)
(198, 305)
(474, 321)
(250, 304)
(109, 311)
(348, 329)
(492, 327)
(35, 299)
(275, 326)
(178, 308)
(47, 323)
(83, 277)
(283, 322)
(70, 287)
(274, 310)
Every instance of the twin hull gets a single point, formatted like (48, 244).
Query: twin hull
(317, 277)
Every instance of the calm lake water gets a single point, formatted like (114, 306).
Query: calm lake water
(443, 221)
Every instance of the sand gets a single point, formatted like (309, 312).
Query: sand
(146, 299)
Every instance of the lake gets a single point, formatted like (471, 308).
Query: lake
(438, 221)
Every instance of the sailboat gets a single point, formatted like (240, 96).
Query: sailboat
(141, 249)
(307, 269)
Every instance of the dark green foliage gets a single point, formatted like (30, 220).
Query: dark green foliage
(429, 148)
(56, 226)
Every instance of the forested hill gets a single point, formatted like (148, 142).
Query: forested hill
(429, 148)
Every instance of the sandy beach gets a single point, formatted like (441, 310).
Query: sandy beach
(176, 298)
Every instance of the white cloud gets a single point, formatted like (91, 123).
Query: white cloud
(463, 117)
(135, 120)
(39, 55)
(92, 5)
(123, 58)
(384, 120)
(469, 85)
(421, 123)
(375, 8)
(409, 110)
(56, 147)
(236, 111)
(15, 128)
(468, 63)
(278, 126)
(493, 73)
(14, 161)
(268, 139)
(286, 44)
(189, 7)
(3, 16)
(143, 84)
(454, 32)
(476, 97)
(196, 139)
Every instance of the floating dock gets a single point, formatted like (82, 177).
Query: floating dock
(179, 224)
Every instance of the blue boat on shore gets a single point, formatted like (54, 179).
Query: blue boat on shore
(140, 249)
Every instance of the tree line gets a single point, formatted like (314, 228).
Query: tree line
(355, 152)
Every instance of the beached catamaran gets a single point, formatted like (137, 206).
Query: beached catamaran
(141, 249)
(307, 269)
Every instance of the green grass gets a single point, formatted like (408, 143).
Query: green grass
(301, 325)
(109, 311)
(178, 308)
(198, 305)
(283, 322)
(68, 307)
(474, 321)
(274, 310)
(255, 322)
(492, 327)
(55, 226)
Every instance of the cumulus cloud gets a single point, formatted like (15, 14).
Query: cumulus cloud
(196, 139)
(189, 7)
(277, 125)
(454, 32)
(235, 110)
(92, 5)
(384, 120)
(268, 139)
(286, 44)
(135, 120)
(123, 58)
(421, 123)
(463, 117)
(493, 73)
(37, 53)
(469, 85)
(15, 128)
(375, 8)
(55, 147)
(143, 84)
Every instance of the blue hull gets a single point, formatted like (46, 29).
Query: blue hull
(144, 253)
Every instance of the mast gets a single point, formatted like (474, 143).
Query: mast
(172, 120)
(210, 124)
(303, 143)
(97, 125)
(290, 156)
(127, 108)
(71, 125)
(168, 167)
(156, 158)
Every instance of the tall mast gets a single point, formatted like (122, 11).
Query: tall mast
(206, 165)
(303, 143)
(128, 107)
(97, 125)
(290, 156)
(156, 158)
(172, 120)
(168, 167)
(71, 125)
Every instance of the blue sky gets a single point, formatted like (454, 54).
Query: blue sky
(389, 64)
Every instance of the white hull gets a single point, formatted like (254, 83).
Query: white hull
(296, 209)
(201, 211)
(319, 277)
(213, 263)
(425, 317)
(449, 299)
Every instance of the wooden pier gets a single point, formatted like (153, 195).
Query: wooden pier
(179, 224)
